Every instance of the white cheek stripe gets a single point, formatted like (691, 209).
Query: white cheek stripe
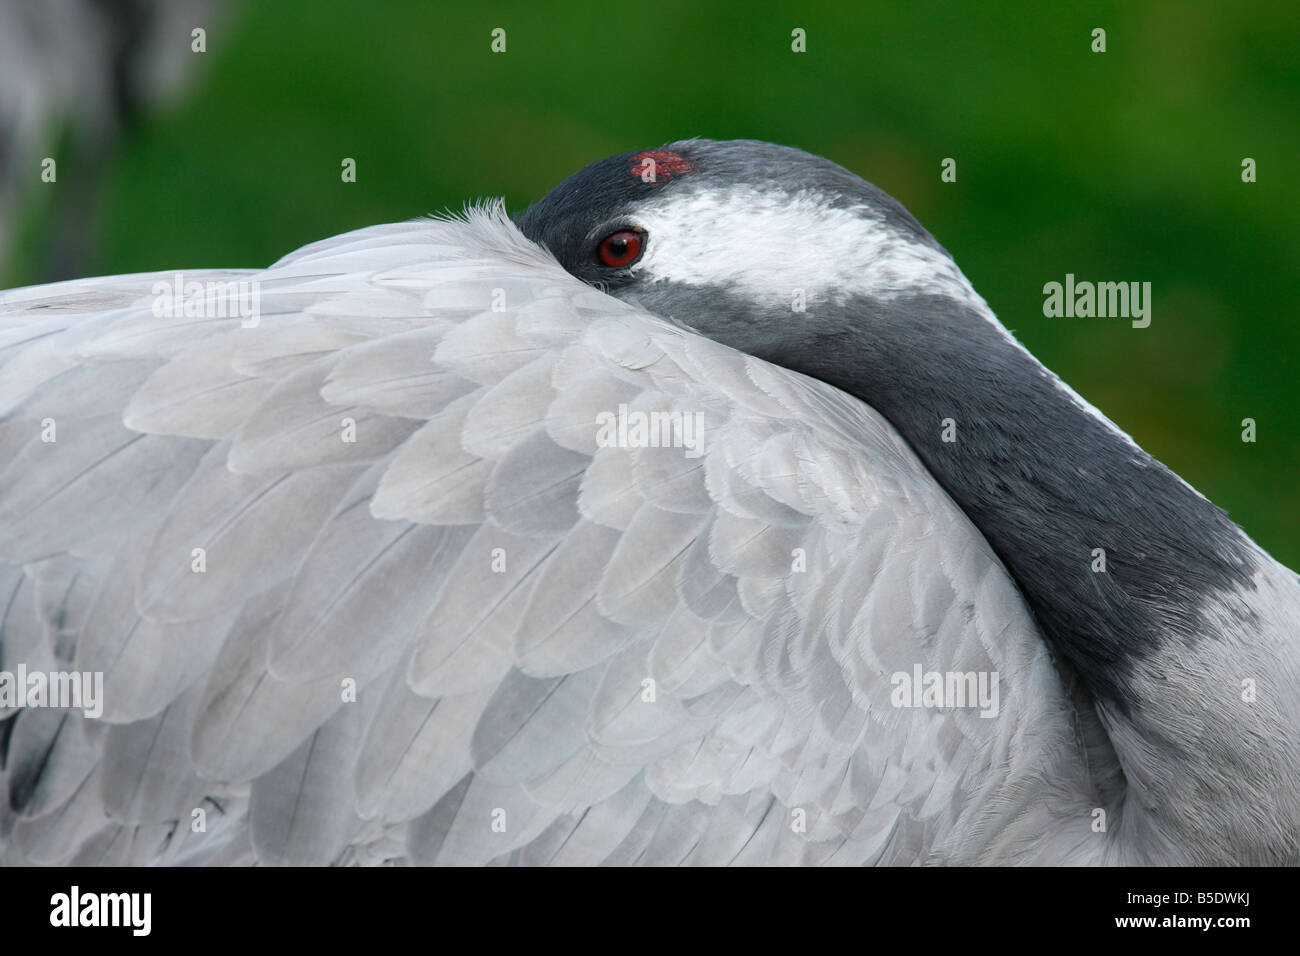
(764, 245)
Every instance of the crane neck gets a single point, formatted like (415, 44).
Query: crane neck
(1143, 588)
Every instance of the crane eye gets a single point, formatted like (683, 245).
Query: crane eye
(621, 248)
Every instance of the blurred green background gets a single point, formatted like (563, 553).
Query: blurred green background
(1123, 165)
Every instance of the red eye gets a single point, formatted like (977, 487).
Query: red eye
(620, 248)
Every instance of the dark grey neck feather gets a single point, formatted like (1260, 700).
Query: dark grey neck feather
(1044, 480)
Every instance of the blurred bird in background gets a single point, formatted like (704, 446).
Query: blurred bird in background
(75, 75)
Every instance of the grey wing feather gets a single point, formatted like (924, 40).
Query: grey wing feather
(468, 630)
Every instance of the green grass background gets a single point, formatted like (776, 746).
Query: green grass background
(1117, 166)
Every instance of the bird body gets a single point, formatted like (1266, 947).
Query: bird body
(365, 582)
